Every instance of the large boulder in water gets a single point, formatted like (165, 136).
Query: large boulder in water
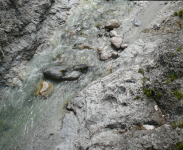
(55, 72)
(60, 73)
(44, 88)
(112, 24)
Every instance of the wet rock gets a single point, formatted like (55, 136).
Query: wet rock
(116, 41)
(112, 24)
(82, 67)
(113, 33)
(137, 23)
(72, 76)
(44, 88)
(123, 46)
(55, 72)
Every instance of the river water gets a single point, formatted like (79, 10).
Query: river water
(23, 116)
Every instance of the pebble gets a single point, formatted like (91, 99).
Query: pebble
(112, 24)
(113, 33)
(137, 23)
(116, 41)
(123, 46)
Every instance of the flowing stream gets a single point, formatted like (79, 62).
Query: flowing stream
(23, 115)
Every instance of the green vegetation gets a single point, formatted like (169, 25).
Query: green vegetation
(143, 80)
(148, 92)
(179, 146)
(171, 78)
(141, 71)
(178, 94)
(175, 14)
(173, 54)
(151, 93)
(137, 98)
(168, 81)
(180, 13)
(179, 48)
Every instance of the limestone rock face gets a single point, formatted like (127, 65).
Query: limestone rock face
(112, 24)
(134, 105)
(44, 89)
(116, 41)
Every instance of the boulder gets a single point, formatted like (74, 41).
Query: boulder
(74, 75)
(44, 89)
(113, 33)
(116, 41)
(55, 72)
(112, 24)
(82, 67)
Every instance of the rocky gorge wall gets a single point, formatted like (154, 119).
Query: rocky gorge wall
(25, 28)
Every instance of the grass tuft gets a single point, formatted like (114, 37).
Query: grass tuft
(178, 94)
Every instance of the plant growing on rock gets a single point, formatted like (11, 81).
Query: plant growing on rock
(141, 71)
(151, 93)
(180, 13)
(179, 146)
(175, 13)
(179, 49)
(178, 94)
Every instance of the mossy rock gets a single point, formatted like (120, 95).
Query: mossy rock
(44, 89)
